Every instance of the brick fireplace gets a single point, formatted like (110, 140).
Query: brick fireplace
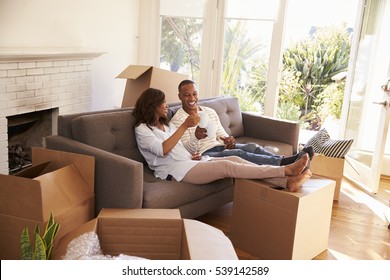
(54, 81)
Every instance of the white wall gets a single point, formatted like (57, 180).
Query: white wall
(106, 25)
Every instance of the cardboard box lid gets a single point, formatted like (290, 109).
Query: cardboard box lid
(134, 71)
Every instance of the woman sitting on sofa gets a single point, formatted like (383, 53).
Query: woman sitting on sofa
(159, 142)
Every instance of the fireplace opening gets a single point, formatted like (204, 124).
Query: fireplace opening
(26, 131)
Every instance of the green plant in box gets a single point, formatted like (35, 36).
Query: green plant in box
(43, 245)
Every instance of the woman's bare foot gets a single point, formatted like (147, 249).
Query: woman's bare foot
(297, 167)
(294, 183)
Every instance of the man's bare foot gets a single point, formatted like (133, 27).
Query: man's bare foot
(294, 183)
(297, 167)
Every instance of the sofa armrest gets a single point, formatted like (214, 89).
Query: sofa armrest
(272, 129)
(118, 180)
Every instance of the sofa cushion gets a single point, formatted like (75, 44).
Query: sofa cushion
(112, 132)
(228, 110)
(171, 194)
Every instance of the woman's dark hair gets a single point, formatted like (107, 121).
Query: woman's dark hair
(146, 105)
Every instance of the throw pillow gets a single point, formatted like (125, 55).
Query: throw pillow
(322, 144)
(318, 140)
(336, 148)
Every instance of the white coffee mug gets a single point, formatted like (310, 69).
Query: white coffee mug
(204, 119)
(211, 130)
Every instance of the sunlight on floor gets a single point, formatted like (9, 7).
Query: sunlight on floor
(339, 256)
(378, 208)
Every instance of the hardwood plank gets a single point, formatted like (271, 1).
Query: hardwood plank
(358, 230)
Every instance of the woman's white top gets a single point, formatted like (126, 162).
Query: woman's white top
(176, 163)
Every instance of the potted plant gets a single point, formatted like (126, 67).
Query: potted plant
(43, 245)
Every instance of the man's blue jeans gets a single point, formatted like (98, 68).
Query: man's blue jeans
(250, 152)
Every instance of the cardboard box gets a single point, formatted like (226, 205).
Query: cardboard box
(280, 225)
(329, 167)
(140, 77)
(59, 182)
(158, 234)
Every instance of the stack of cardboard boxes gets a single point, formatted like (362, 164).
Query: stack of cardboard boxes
(63, 183)
(59, 182)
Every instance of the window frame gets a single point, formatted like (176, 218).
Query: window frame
(212, 47)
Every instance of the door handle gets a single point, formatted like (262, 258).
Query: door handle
(383, 103)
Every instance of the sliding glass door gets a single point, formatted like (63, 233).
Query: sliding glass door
(368, 108)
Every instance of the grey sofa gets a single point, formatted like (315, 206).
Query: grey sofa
(122, 178)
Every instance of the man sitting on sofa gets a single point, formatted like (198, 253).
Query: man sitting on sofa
(196, 140)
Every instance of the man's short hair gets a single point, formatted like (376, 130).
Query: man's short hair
(185, 82)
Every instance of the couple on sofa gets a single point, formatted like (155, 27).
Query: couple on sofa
(173, 148)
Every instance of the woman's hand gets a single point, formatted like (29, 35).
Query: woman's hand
(196, 156)
(171, 142)
(191, 120)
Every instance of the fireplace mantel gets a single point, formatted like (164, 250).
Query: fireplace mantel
(23, 54)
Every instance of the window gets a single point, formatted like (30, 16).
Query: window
(315, 61)
(181, 36)
(236, 47)
(247, 42)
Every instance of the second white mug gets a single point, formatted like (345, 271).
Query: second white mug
(204, 119)
(211, 130)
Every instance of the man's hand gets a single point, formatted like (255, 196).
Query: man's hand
(196, 156)
(230, 142)
(200, 133)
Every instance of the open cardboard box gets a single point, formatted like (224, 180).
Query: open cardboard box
(281, 225)
(158, 234)
(329, 167)
(58, 181)
(141, 77)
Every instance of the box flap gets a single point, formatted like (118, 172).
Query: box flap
(143, 213)
(62, 189)
(84, 164)
(204, 242)
(33, 171)
(133, 71)
(140, 77)
(20, 197)
(147, 233)
(61, 247)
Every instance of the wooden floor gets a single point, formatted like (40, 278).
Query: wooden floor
(358, 230)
